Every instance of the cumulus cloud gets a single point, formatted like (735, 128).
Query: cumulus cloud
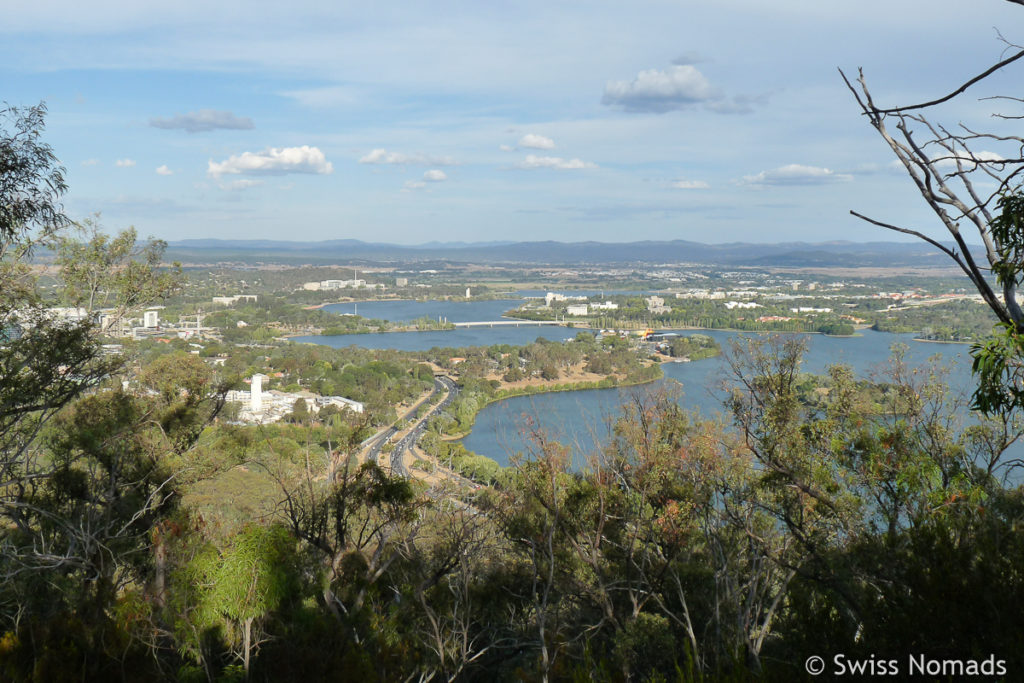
(677, 87)
(124, 163)
(796, 174)
(680, 86)
(203, 121)
(435, 176)
(534, 161)
(382, 156)
(690, 185)
(273, 161)
(163, 170)
(534, 141)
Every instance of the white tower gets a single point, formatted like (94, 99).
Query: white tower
(256, 393)
(151, 319)
(467, 292)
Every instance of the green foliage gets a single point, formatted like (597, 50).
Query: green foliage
(1008, 234)
(99, 271)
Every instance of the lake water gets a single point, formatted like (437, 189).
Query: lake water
(580, 419)
(453, 311)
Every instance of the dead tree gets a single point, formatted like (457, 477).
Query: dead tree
(946, 164)
(976, 192)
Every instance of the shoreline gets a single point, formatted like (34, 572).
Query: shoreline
(940, 341)
(505, 394)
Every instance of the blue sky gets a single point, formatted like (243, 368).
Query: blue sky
(410, 122)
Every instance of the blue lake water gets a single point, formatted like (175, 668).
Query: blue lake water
(453, 311)
(581, 419)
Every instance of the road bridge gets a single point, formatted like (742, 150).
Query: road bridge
(508, 323)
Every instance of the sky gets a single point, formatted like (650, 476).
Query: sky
(411, 122)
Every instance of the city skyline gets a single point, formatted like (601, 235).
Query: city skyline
(462, 122)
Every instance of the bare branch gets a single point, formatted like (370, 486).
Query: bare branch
(962, 88)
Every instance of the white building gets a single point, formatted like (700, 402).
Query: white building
(606, 306)
(256, 393)
(229, 300)
(340, 284)
(551, 296)
(655, 304)
(576, 309)
(151, 319)
(341, 402)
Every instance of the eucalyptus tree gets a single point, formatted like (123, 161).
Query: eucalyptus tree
(86, 468)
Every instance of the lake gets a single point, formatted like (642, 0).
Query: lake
(580, 419)
(402, 311)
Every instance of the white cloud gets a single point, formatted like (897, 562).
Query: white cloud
(124, 163)
(203, 121)
(796, 174)
(534, 161)
(967, 158)
(273, 161)
(163, 170)
(534, 141)
(382, 156)
(411, 185)
(91, 162)
(435, 176)
(677, 87)
(506, 148)
(690, 185)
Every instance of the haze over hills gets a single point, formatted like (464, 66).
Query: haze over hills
(783, 254)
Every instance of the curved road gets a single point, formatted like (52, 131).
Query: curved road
(441, 383)
(410, 439)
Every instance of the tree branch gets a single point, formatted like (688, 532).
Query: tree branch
(962, 88)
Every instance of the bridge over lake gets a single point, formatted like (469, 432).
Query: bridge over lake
(508, 323)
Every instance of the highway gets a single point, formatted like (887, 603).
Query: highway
(410, 439)
(378, 441)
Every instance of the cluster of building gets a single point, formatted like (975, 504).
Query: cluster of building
(354, 283)
(578, 309)
(656, 305)
(232, 300)
(263, 406)
(552, 296)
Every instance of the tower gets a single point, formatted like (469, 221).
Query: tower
(256, 393)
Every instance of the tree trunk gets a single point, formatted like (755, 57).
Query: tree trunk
(160, 581)
(248, 645)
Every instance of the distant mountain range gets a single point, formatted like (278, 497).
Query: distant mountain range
(783, 254)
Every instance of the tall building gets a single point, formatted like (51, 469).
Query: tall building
(151, 319)
(256, 393)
